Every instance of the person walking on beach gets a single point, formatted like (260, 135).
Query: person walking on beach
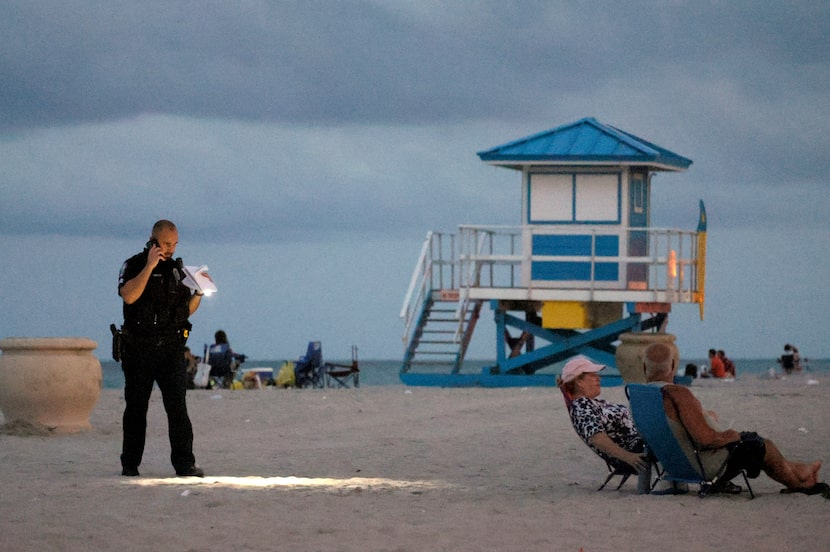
(157, 306)
(750, 451)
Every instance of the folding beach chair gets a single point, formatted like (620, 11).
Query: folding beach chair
(221, 360)
(340, 375)
(681, 459)
(624, 471)
(308, 370)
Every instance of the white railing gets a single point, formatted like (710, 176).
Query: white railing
(500, 258)
(437, 269)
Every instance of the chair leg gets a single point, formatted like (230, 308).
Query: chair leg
(748, 488)
(611, 473)
(624, 479)
(607, 479)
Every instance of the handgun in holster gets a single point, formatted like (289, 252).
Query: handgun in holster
(117, 343)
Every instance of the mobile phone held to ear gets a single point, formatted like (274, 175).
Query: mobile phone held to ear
(151, 242)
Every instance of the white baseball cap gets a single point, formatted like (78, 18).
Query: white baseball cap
(577, 366)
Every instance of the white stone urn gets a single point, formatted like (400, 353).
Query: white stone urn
(49, 383)
(630, 353)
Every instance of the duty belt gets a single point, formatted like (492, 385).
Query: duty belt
(163, 340)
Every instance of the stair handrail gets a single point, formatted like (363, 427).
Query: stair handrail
(469, 275)
(421, 276)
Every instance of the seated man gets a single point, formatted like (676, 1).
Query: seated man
(752, 452)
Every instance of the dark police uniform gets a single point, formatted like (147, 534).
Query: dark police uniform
(155, 328)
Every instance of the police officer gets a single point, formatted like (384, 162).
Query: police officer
(156, 309)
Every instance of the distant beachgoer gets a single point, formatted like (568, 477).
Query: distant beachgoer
(716, 367)
(223, 361)
(796, 359)
(192, 366)
(691, 370)
(728, 365)
(787, 360)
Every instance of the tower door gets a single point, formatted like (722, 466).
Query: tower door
(638, 215)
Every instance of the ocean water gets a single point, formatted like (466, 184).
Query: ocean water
(385, 372)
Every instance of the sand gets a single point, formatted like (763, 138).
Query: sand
(396, 468)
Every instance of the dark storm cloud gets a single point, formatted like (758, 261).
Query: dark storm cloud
(740, 88)
(236, 182)
(381, 62)
(315, 63)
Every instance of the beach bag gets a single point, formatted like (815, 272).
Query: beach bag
(202, 377)
(286, 377)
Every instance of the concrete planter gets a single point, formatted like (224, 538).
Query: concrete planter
(629, 355)
(49, 383)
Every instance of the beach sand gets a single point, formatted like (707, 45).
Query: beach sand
(396, 468)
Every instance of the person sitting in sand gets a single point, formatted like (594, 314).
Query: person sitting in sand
(728, 365)
(716, 367)
(750, 451)
(606, 428)
(691, 370)
(796, 359)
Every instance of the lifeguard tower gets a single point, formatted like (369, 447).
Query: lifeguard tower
(582, 269)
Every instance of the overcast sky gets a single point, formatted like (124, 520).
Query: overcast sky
(304, 149)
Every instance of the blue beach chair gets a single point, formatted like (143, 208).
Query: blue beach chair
(308, 370)
(220, 362)
(669, 441)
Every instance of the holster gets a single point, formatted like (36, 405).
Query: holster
(117, 343)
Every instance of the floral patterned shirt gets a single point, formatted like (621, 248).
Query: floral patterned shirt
(592, 416)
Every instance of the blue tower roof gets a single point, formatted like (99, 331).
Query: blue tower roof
(584, 142)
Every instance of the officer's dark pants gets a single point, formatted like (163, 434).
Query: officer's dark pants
(143, 364)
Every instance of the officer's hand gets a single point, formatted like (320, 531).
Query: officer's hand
(154, 256)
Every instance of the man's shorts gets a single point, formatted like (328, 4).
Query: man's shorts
(748, 454)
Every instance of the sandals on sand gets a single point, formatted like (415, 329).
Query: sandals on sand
(819, 488)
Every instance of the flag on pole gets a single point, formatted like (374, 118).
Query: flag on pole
(700, 293)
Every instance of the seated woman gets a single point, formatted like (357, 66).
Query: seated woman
(605, 427)
(223, 361)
